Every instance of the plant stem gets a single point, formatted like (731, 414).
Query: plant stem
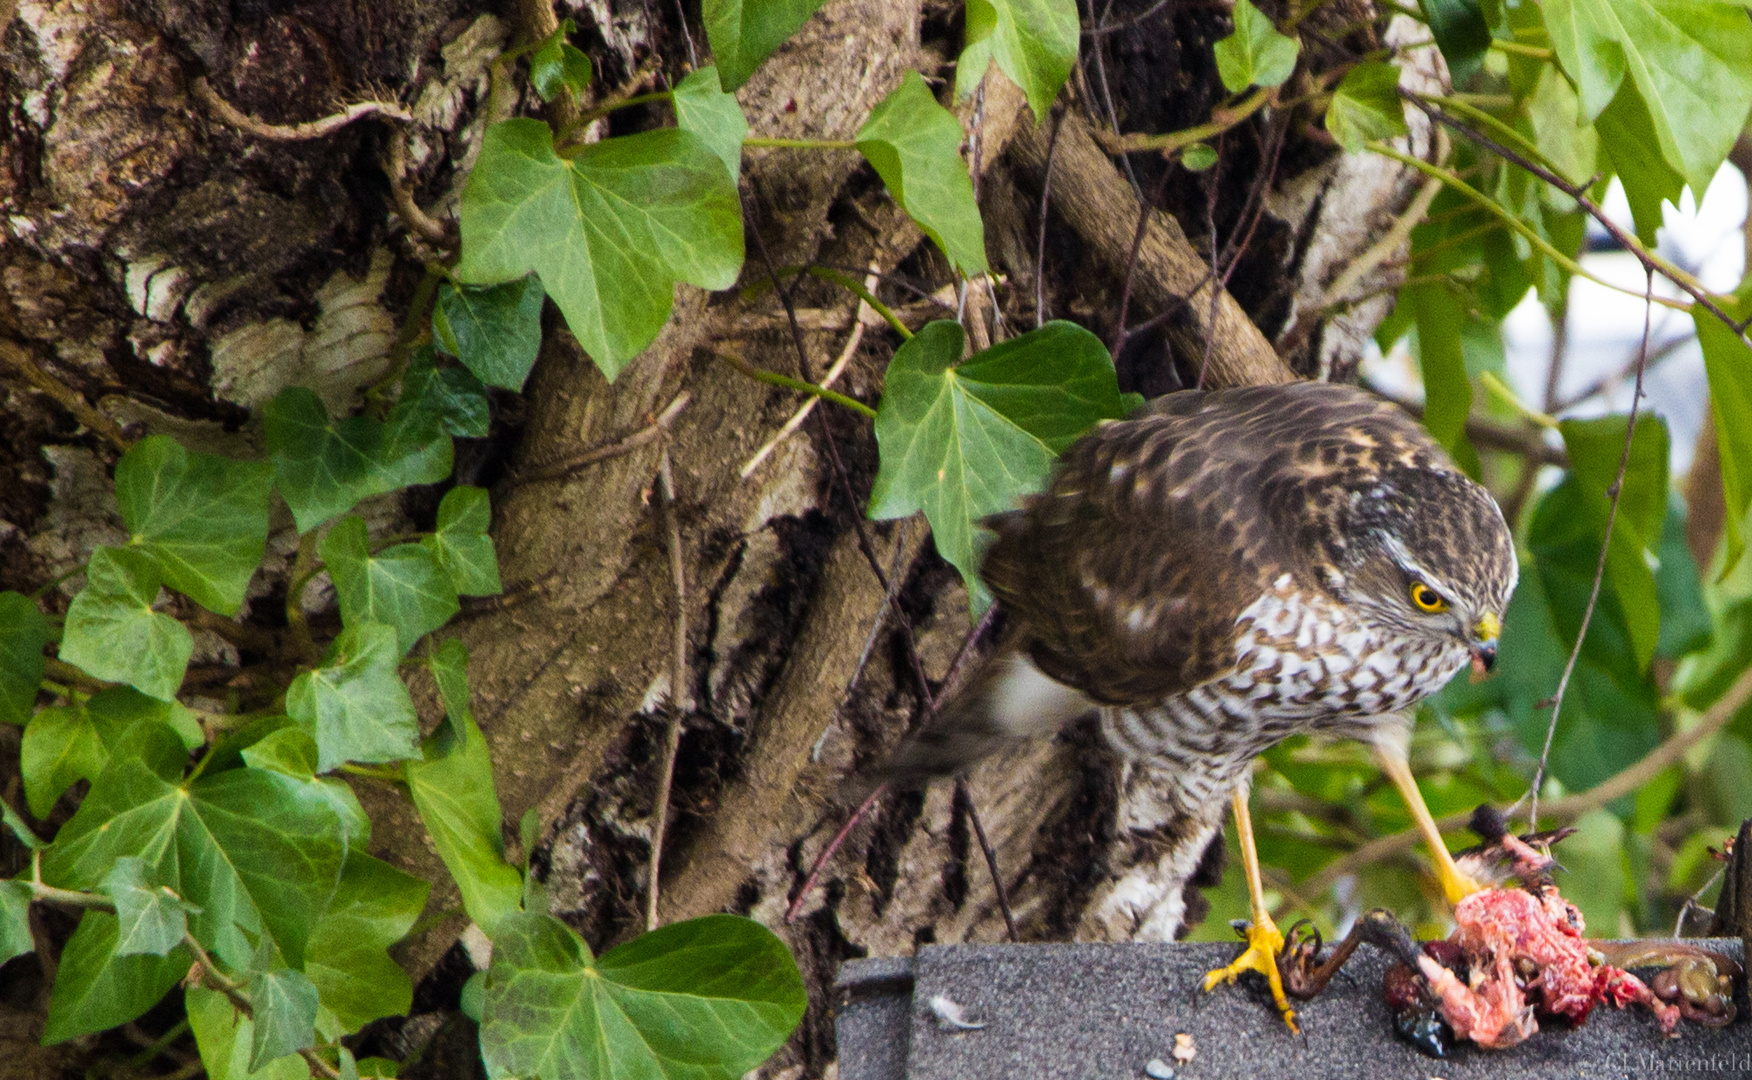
(304, 566)
(1517, 49)
(776, 379)
(863, 294)
(1222, 119)
(802, 144)
(1500, 390)
(387, 776)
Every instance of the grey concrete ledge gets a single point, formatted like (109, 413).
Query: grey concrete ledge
(1087, 1011)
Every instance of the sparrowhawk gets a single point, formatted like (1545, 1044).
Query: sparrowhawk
(1223, 570)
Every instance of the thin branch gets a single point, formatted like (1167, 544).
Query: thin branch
(73, 401)
(1568, 808)
(833, 846)
(1606, 382)
(1210, 341)
(396, 169)
(314, 129)
(678, 682)
(1114, 28)
(1651, 262)
(1145, 208)
(1222, 119)
(1100, 51)
(1614, 494)
(559, 470)
(991, 857)
(1045, 201)
(775, 378)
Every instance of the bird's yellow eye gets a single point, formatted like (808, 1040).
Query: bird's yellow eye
(1426, 598)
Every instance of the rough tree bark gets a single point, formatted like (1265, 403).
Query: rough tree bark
(176, 271)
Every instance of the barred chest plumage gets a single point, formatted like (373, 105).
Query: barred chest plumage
(1302, 663)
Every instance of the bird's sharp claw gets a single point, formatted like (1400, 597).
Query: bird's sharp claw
(1264, 943)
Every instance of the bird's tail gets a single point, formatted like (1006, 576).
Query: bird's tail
(1008, 699)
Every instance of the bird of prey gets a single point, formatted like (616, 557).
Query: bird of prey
(1223, 570)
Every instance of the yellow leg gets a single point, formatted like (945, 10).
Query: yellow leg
(1455, 884)
(1264, 942)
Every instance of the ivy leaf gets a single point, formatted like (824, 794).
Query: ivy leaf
(254, 850)
(1462, 34)
(402, 586)
(706, 998)
(451, 394)
(15, 935)
(452, 788)
(743, 33)
(915, 146)
(1366, 106)
(374, 906)
(702, 107)
(610, 230)
(200, 519)
(1255, 54)
(96, 990)
(1558, 130)
(356, 705)
(964, 440)
(23, 633)
(1728, 360)
(558, 65)
(461, 544)
(285, 1015)
(1447, 391)
(324, 467)
(495, 331)
(150, 918)
(1687, 59)
(113, 634)
(65, 744)
(1033, 41)
(224, 1036)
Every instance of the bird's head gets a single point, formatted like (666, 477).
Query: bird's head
(1428, 554)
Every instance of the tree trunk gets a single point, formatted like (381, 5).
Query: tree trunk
(176, 271)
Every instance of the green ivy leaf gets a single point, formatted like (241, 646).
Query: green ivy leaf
(451, 394)
(23, 633)
(452, 788)
(915, 146)
(964, 440)
(285, 1004)
(150, 918)
(15, 935)
(224, 1036)
(374, 906)
(1728, 360)
(1198, 157)
(65, 744)
(402, 586)
(200, 519)
(701, 999)
(461, 544)
(1461, 32)
(495, 331)
(1558, 131)
(557, 66)
(609, 230)
(1366, 106)
(96, 990)
(254, 850)
(356, 705)
(1447, 391)
(1686, 625)
(1255, 54)
(743, 33)
(324, 467)
(702, 107)
(1033, 41)
(1687, 59)
(113, 634)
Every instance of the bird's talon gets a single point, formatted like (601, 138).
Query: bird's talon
(1264, 943)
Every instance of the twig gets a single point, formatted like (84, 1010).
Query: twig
(1107, 96)
(1651, 262)
(833, 372)
(678, 696)
(558, 470)
(1113, 28)
(396, 168)
(693, 58)
(991, 857)
(1614, 493)
(1389, 242)
(1210, 341)
(1606, 382)
(833, 846)
(1568, 808)
(1559, 346)
(70, 399)
(1145, 207)
(776, 378)
(1222, 119)
(1045, 201)
(314, 129)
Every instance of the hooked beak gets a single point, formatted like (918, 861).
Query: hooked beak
(1484, 645)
